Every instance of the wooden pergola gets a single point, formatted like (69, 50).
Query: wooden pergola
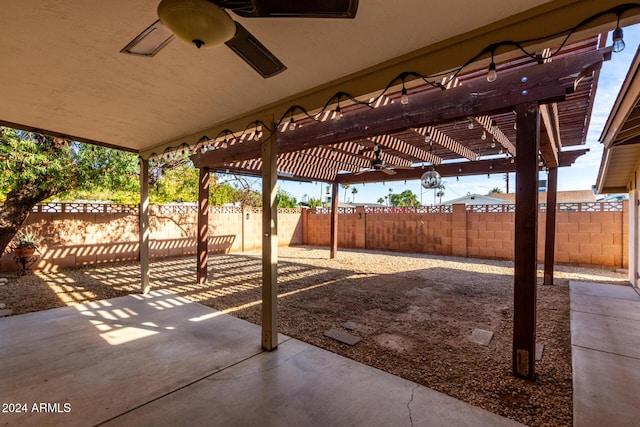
(521, 123)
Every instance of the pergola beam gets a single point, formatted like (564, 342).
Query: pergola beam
(502, 165)
(550, 142)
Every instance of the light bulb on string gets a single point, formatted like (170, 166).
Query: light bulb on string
(427, 138)
(404, 98)
(483, 136)
(493, 143)
(338, 115)
(470, 126)
(618, 42)
(292, 123)
(492, 74)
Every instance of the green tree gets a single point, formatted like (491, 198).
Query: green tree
(314, 203)
(286, 200)
(177, 184)
(406, 198)
(354, 191)
(495, 190)
(33, 168)
(381, 200)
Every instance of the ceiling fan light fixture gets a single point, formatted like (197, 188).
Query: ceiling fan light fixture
(197, 21)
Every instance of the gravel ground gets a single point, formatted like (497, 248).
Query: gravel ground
(414, 313)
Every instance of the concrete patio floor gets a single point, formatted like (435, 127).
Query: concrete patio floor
(605, 347)
(163, 360)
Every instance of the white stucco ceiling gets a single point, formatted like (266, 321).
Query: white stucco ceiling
(62, 71)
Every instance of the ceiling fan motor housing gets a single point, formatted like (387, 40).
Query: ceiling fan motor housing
(377, 164)
(197, 21)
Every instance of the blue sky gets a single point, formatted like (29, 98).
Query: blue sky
(582, 175)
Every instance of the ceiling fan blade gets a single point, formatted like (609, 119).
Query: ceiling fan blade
(150, 41)
(247, 47)
(402, 167)
(388, 171)
(296, 8)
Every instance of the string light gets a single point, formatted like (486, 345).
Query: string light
(492, 74)
(470, 126)
(483, 136)
(618, 42)
(427, 137)
(404, 98)
(493, 143)
(292, 123)
(338, 114)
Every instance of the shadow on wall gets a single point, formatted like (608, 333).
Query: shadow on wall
(53, 257)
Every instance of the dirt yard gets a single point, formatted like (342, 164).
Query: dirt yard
(414, 313)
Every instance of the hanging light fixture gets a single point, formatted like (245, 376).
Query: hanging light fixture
(492, 74)
(618, 42)
(404, 98)
(197, 21)
(431, 178)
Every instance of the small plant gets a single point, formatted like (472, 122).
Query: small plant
(26, 239)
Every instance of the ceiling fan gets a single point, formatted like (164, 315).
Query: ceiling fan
(206, 23)
(377, 164)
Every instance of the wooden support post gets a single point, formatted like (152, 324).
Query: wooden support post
(144, 232)
(334, 221)
(550, 231)
(269, 244)
(526, 232)
(203, 225)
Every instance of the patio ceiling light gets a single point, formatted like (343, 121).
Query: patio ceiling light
(197, 21)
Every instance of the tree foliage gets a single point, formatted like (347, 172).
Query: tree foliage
(406, 198)
(495, 190)
(33, 168)
(286, 200)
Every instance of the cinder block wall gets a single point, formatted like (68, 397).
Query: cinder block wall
(75, 239)
(587, 235)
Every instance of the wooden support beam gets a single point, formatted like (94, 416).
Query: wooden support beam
(144, 230)
(334, 221)
(503, 165)
(550, 230)
(269, 245)
(526, 237)
(203, 225)
(550, 142)
(542, 83)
